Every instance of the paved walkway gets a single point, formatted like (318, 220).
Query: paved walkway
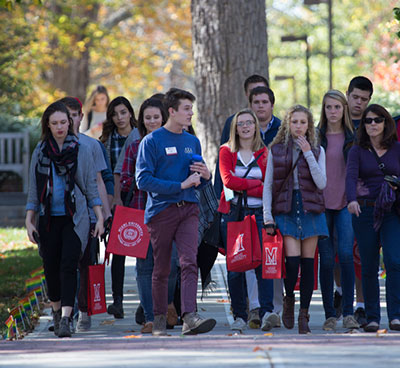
(118, 343)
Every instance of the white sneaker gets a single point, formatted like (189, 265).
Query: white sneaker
(269, 321)
(239, 325)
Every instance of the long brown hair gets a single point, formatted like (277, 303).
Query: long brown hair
(50, 110)
(234, 142)
(283, 134)
(108, 125)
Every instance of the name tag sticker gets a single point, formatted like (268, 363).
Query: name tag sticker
(171, 151)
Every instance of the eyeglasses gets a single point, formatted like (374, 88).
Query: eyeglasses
(245, 123)
(377, 120)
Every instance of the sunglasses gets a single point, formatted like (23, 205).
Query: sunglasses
(377, 120)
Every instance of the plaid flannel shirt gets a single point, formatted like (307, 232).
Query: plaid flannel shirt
(128, 177)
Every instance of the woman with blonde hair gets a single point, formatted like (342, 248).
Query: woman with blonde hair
(337, 137)
(244, 153)
(293, 200)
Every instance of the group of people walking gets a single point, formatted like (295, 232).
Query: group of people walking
(328, 189)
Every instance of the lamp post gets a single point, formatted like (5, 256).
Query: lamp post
(292, 78)
(292, 38)
(330, 31)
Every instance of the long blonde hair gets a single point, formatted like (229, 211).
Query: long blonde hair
(346, 120)
(234, 141)
(283, 134)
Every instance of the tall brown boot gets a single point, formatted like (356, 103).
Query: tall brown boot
(288, 312)
(304, 317)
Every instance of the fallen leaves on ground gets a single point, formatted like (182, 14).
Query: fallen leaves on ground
(133, 337)
(107, 322)
(222, 301)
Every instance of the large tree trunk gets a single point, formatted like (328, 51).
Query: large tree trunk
(229, 44)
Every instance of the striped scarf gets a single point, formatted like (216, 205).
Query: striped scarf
(65, 163)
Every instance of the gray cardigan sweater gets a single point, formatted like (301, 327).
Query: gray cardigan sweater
(86, 193)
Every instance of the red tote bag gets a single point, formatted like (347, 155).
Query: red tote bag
(272, 255)
(96, 290)
(128, 235)
(243, 245)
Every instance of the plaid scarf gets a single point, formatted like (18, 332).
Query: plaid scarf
(65, 163)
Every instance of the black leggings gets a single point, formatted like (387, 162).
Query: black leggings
(60, 250)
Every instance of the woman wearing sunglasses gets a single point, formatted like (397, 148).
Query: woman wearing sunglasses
(373, 166)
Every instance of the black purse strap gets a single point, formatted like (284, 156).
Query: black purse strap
(242, 198)
(288, 176)
(381, 165)
(130, 193)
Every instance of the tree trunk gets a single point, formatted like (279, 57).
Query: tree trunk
(229, 41)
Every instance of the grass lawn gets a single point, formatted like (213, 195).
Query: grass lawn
(18, 257)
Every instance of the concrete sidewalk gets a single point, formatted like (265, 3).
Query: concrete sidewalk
(118, 342)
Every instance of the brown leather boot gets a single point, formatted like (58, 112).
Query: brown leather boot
(304, 317)
(288, 312)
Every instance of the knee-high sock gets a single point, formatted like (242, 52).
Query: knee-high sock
(306, 282)
(292, 271)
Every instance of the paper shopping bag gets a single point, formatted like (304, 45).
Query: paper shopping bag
(243, 245)
(129, 235)
(272, 262)
(96, 290)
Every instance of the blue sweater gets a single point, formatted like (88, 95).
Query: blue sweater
(162, 165)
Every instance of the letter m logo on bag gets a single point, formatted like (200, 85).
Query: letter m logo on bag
(96, 288)
(271, 256)
(239, 244)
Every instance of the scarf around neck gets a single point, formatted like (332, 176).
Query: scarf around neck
(65, 164)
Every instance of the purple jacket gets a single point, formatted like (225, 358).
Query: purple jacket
(363, 176)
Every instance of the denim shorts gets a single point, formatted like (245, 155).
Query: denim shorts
(301, 225)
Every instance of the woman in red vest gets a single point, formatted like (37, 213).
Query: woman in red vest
(293, 200)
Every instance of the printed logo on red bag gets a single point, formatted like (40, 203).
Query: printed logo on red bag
(271, 256)
(97, 296)
(130, 234)
(238, 244)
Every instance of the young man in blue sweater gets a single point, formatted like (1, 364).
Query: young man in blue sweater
(166, 169)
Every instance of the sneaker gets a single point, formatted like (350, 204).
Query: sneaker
(254, 319)
(139, 315)
(337, 304)
(239, 325)
(394, 324)
(147, 328)
(350, 322)
(330, 324)
(116, 309)
(278, 324)
(371, 327)
(84, 322)
(56, 321)
(64, 330)
(360, 316)
(194, 324)
(160, 325)
(269, 321)
(172, 316)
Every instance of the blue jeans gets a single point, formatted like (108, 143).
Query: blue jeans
(369, 242)
(339, 220)
(237, 280)
(144, 269)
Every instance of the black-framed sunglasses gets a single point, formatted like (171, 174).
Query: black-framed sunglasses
(378, 120)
